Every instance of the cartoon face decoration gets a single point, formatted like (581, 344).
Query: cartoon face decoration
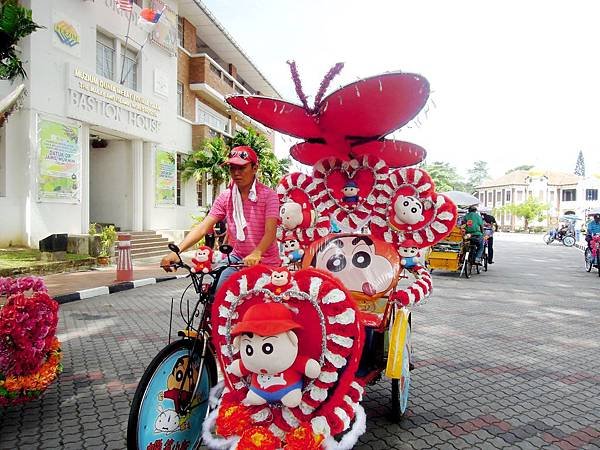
(350, 190)
(203, 254)
(291, 215)
(291, 244)
(280, 277)
(266, 355)
(183, 375)
(408, 209)
(408, 252)
(364, 268)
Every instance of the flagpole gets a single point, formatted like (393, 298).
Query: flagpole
(126, 42)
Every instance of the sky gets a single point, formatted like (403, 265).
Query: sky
(512, 82)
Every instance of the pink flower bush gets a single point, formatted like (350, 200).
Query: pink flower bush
(27, 325)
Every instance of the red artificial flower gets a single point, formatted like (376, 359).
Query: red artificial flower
(303, 438)
(233, 420)
(259, 437)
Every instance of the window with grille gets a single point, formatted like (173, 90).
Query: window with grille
(507, 196)
(207, 116)
(498, 196)
(179, 181)
(490, 197)
(105, 56)
(180, 98)
(180, 31)
(591, 194)
(129, 69)
(200, 192)
(569, 195)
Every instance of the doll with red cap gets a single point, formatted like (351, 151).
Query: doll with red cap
(268, 347)
(408, 253)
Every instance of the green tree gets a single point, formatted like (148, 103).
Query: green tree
(207, 163)
(476, 175)
(271, 169)
(445, 176)
(580, 165)
(521, 167)
(529, 210)
(15, 24)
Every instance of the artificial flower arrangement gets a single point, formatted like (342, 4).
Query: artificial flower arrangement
(30, 355)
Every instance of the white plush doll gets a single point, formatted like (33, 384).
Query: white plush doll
(408, 209)
(291, 215)
(269, 354)
(408, 254)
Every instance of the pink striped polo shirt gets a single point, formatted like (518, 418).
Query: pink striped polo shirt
(266, 206)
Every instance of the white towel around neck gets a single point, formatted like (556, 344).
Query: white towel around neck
(238, 209)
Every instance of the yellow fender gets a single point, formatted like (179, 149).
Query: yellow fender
(397, 347)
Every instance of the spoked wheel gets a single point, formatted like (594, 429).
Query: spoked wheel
(589, 260)
(547, 238)
(163, 407)
(464, 270)
(401, 387)
(569, 241)
(484, 261)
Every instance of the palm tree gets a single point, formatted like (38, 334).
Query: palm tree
(15, 24)
(271, 169)
(208, 162)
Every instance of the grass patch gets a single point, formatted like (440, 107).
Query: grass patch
(15, 257)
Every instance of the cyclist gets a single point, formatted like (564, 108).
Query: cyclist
(473, 225)
(592, 228)
(490, 226)
(251, 210)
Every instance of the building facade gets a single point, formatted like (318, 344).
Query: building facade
(109, 116)
(564, 193)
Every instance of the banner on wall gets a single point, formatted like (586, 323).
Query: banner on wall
(165, 177)
(165, 32)
(59, 161)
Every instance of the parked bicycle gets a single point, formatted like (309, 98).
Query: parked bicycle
(172, 396)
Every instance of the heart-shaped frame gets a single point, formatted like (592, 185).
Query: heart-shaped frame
(332, 334)
(368, 174)
(437, 222)
(300, 188)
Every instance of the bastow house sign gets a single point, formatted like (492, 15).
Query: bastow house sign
(99, 101)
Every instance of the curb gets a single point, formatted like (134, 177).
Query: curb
(118, 287)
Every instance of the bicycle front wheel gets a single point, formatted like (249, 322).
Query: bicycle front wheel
(163, 407)
(589, 260)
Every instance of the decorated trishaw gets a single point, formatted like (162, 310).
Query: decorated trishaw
(296, 345)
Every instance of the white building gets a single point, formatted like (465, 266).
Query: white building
(563, 192)
(86, 148)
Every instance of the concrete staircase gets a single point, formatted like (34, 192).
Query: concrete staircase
(147, 244)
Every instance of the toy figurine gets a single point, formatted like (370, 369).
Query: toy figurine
(408, 209)
(292, 253)
(202, 260)
(408, 252)
(269, 353)
(295, 215)
(350, 192)
(281, 280)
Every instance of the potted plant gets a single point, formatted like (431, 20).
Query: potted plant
(108, 237)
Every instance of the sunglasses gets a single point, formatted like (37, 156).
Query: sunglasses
(239, 154)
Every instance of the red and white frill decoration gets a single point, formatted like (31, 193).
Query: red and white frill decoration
(417, 292)
(331, 334)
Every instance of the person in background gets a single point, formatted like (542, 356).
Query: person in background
(251, 210)
(473, 225)
(221, 232)
(489, 227)
(593, 228)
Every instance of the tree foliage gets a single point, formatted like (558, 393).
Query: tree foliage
(521, 167)
(15, 24)
(445, 176)
(207, 163)
(580, 165)
(532, 209)
(477, 175)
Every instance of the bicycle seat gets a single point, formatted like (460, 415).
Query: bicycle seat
(368, 267)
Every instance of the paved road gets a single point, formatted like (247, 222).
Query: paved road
(506, 359)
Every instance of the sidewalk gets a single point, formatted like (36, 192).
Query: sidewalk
(70, 286)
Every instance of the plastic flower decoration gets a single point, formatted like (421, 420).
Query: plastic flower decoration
(303, 438)
(233, 420)
(258, 438)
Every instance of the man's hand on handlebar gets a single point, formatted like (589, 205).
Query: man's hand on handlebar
(253, 258)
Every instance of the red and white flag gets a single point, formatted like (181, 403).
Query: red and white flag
(125, 5)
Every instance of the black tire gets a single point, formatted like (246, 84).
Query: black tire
(548, 239)
(485, 262)
(598, 261)
(589, 262)
(191, 347)
(465, 266)
(396, 416)
(400, 405)
(569, 241)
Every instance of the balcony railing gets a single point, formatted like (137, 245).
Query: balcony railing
(204, 69)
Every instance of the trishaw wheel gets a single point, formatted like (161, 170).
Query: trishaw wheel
(465, 266)
(569, 241)
(401, 386)
(161, 407)
(485, 263)
(589, 260)
(547, 238)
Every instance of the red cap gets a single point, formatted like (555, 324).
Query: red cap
(242, 155)
(266, 319)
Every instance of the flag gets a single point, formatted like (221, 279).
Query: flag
(125, 5)
(149, 18)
